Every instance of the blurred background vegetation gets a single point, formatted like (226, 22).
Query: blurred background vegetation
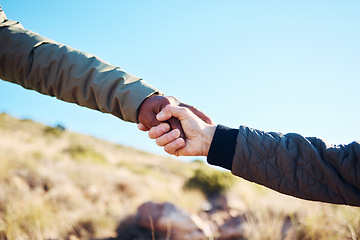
(56, 184)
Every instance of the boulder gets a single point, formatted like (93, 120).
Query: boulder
(168, 220)
(232, 228)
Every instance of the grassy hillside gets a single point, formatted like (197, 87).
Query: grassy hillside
(58, 184)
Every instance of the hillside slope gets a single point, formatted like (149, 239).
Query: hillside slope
(75, 179)
(58, 184)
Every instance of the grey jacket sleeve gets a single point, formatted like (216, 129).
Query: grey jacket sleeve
(43, 65)
(304, 167)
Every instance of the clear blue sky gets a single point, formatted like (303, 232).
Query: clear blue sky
(285, 66)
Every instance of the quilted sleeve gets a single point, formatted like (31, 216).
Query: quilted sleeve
(307, 168)
(40, 64)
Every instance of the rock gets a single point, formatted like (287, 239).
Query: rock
(232, 228)
(169, 221)
(222, 208)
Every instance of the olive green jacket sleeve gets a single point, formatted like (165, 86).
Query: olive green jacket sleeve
(45, 66)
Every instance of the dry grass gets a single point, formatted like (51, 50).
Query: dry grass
(61, 184)
(57, 184)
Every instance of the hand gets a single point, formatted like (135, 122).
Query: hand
(198, 133)
(154, 104)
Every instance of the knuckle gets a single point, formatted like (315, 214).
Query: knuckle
(184, 110)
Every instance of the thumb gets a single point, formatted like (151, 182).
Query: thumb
(172, 111)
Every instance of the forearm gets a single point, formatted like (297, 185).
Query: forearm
(307, 168)
(43, 65)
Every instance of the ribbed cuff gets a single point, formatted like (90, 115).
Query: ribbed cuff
(222, 148)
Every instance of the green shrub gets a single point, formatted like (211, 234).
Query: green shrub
(85, 154)
(210, 181)
(26, 120)
(199, 161)
(53, 131)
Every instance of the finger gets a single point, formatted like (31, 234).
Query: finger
(159, 130)
(142, 127)
(175, 124)
(168, 137)
(174, 146)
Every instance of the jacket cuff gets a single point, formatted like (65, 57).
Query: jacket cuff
(222, 148)
(140, 91)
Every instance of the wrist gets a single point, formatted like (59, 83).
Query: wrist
(208, 135)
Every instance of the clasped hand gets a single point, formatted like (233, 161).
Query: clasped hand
(181, 129)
